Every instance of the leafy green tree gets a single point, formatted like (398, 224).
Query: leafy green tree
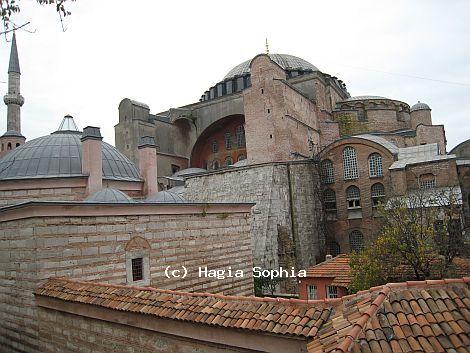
(422, 233)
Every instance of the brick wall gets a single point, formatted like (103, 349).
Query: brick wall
(93, 248)
(61, 332)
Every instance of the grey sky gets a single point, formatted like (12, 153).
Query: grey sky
(167, 53)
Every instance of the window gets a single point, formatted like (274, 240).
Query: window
(333, 248)
(241, 157)
(175, 168)
(240, 133)
(228, 161)
(228, 141)
(356, 240)
(350, 163)
(9, 146)
(215, 146)
(215, 164)
(375, 165)
(361, 115)
(427, 181)
(137, 269)
(327, 172)
(312, 292)
(377, 192)
(353, 196)
(332, 292)
(329, 199)
(17, 144)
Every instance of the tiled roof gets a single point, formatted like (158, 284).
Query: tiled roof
(273, 315)
(426, 316)
(337, 268)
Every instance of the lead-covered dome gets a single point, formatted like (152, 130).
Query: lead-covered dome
(420, 106)
(286, 61)
(59, 155)
(109, 195)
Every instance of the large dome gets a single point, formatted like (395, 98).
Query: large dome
(59, 155)
(287, 62)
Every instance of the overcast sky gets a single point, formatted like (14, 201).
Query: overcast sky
(167, 53)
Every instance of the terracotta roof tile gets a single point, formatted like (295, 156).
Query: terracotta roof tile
(337, 268)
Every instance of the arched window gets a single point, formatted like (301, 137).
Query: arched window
(3, 146)
(333, 248)
(427, 181)
(241, 157)
(240, 132)
(329, 200)
(350, 163)
(215, 146)
(375, 165)
(215, 164)
(327, 172)
(228, 141)
(356, 240)
(353, 196)
(228, 161)
(9, 146)
(377, 193)
(17, 144)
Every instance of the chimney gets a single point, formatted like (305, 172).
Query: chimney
(148, 164)
(92, 159)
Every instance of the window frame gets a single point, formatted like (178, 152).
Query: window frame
(377, 199)
(356, 232)
(228, 141)
(331, 201)
(375, 165)
(328, 172)
(331, 292)
(353, 201)
(310, 291)
(137, 268)
(427, 184)
(215, 146)
(350, 167)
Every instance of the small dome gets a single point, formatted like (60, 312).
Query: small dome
(108, 195)
(419, 106)
(177, 189)
(165, 196)
(189, 171)
(287, 62)
(59, 155)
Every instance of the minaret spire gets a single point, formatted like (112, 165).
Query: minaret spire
(13, 98)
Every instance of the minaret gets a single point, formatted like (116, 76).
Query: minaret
(14, 100)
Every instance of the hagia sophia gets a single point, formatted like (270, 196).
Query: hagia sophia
(276, 165)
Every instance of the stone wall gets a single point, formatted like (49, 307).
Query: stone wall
(61, 332)
(287, 217)
(95, 248)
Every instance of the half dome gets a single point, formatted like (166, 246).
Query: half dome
(286, 61)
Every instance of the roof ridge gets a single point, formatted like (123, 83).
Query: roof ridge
(199, 294)
(384, 291)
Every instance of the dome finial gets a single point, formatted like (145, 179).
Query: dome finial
(267, 47)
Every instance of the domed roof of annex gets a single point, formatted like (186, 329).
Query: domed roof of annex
(165, 196)
(59, 155)
(286, 61)
(109, 195)
(420, 106)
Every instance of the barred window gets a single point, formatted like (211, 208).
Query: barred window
(353, 196)
(228, 161)
(240, 132)
(356, 240)
(137, 269)
(375, 165)
(312, 292)
(329, 199)
(228, 141)
(361, 115)
(350, 163)
(427, 181)
(333, 248)
(332, 292)
(327, 172)
(377, 192)
(215, 146)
